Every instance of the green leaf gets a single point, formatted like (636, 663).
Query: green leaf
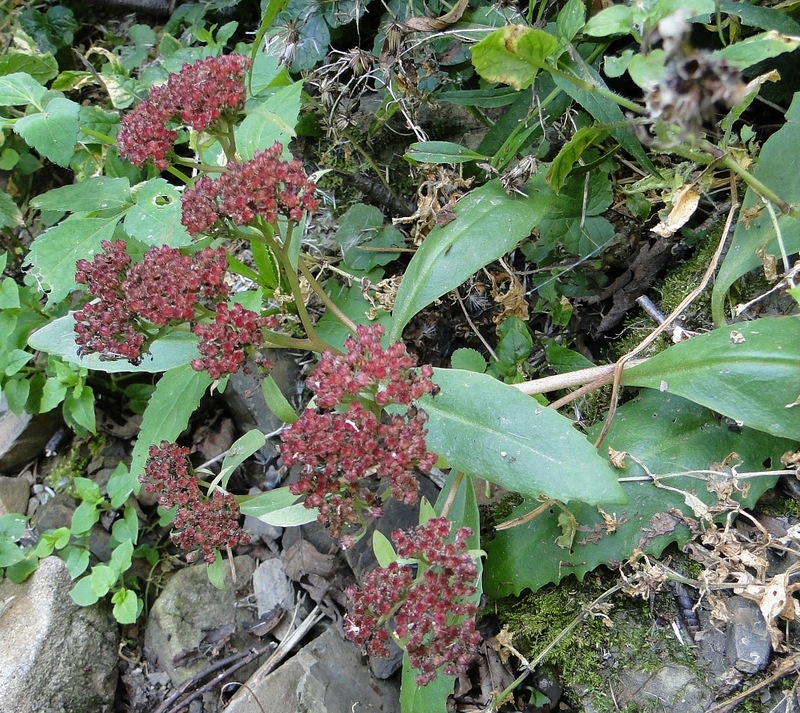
(352, 302)
(268, 272)
(239, 452)
(126, 527)
(755, 231)
(362, 226)
(102, 578)
(752, 50)
(97, 193)
(58, 338)
(468, 360)
(570, 21)
(16, 392)
(10, 216)
(569, 154)
(441, 152)
(126, 606)
(52, 132)
(614, 20)
(175, 399)
(42, 67)
(276, 401)
(15, 360)
(514, 54)
(383, 549)
(669, 435)
(120, 485)
(156, 218)
(53, 393)
(268, 121)
(120, 560)
(10, 554)
(51, 30)
(765, 18)
(268, 502)
(748, 372)
(603, 109)
(291, 516)
(215, 572)
(12, 525)
(79, 409)
(488, 429)
(87, 490)
(83, 594)
(20, 89)
(77, 561)
(54, 253)
(489, 223)
(9, 294)
(84, 518)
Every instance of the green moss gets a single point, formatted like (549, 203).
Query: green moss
(596, 651)
(74, 462)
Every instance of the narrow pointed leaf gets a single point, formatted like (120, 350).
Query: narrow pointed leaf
(491, 430)
(489, 223)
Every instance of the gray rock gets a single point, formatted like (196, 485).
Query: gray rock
(23, 438)
(272, 588)
(748, 644)
(671, 689)
(326, 676)
(191, 620)
(55, 657)
(14, 494)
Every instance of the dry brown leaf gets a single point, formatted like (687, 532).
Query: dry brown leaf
(684, 204)
(617, 458)
(434, 24)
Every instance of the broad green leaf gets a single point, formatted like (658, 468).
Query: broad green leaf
(78, 409)
(290, 516)
(276, 401)
(514, 54)
(84, 518)
(569, 154)
(15, 360)
(156, 218)
(755, 231)
(87, 490)
(82, 593)
(490, 430)
(121, 557)
(168, 352)
(102, 578)
(120, 485)
(97, 193)
(752, 50)
(614, 20)
(469, 360)
(42, 67)
(126, 528)
(362, 230)
(669, 435)
(268, 272)
(570, 20)
(54, 253)
(488, 224)
(383, 549)
(126, 606)
(268, 121)
(10, 554)
(441, 152)
(77, 561)
(9, 294)
(52, 132)
(16, 392)
(749, 372)
(175, 399)
(20, 89)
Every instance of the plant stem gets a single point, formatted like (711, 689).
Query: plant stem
(97, 135)
(593, 88)
(326, 300)
(199, 166)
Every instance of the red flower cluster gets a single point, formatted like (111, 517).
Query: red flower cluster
(202, 525)
(165, 287)
(264, 186)
(339, 449)
(429, 614)
(224, 341)
(197, 96)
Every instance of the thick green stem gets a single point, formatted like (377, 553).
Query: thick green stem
(596, 89)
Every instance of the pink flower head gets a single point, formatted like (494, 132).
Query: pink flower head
(263, 187)
(430, 614)
(197, 96)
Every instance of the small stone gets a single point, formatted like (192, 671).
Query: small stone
(748, 643)
(14, 494)
(272, 588)
(23, 438)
